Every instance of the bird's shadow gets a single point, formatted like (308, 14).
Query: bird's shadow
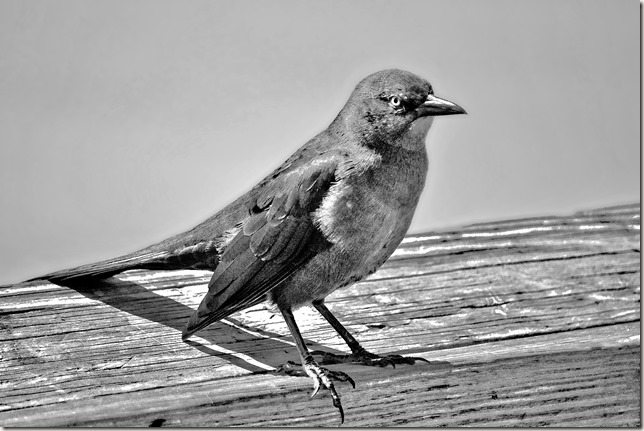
(140, 301)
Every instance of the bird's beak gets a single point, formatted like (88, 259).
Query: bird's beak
(435, 106)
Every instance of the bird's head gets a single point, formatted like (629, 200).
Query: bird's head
(391, 105)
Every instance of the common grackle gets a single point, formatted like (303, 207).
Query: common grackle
(327, 217)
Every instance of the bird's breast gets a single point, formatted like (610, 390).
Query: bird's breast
(366, 214)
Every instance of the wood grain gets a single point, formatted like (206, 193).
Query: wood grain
(527, 322)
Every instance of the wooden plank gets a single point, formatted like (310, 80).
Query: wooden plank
(589, 388)
(549, 293)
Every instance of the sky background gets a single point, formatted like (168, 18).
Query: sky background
(124, 122)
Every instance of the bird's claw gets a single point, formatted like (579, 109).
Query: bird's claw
(322, 377)
(293, 369)
(392, 360)
(367, 358)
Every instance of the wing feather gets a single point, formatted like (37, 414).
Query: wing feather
(274, 241)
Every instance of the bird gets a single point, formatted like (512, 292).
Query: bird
(327, 217)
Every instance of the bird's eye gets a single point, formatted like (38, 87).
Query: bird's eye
(395, 102)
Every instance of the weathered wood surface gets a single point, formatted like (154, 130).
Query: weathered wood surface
(526, 322)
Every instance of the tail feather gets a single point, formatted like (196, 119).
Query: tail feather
(105, 268)
(166, 255)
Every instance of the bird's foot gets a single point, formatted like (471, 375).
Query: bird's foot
(364, 357)
(322, 377)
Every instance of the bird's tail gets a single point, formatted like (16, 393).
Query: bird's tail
(107, 268)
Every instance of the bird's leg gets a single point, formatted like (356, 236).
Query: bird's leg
(321, 376)
(358, 353)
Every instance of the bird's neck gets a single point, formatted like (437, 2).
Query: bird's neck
(414, 138)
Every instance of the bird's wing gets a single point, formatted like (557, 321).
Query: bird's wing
(275, 239)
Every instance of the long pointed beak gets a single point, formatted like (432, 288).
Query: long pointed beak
(435, 106)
